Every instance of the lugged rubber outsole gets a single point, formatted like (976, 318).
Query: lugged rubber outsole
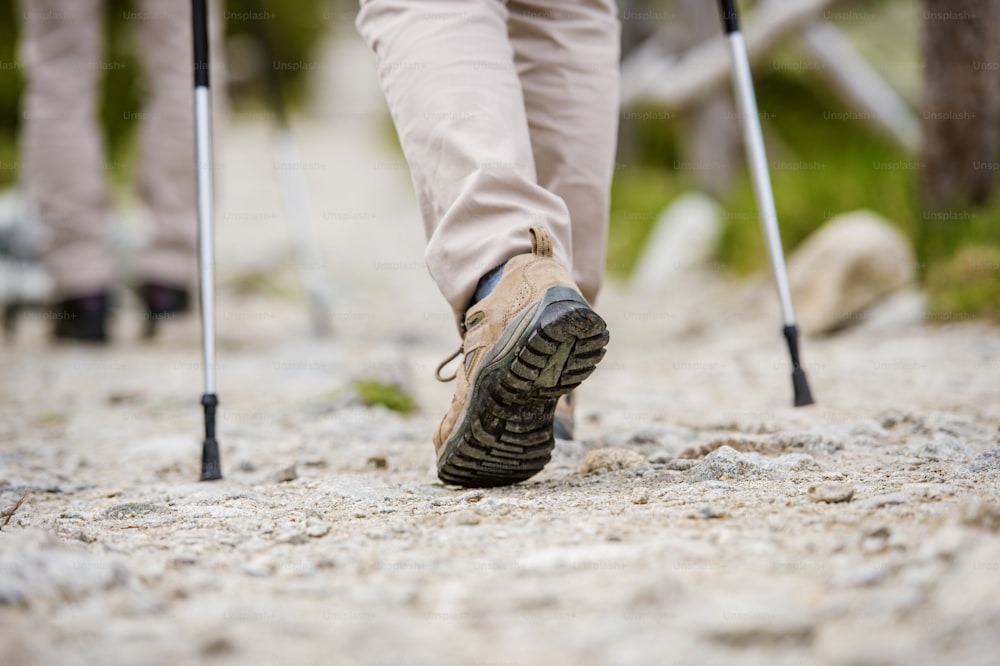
(507, 433)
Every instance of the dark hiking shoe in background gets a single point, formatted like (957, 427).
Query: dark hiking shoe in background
(162, 302)
(82, 318)
(562, 425)
(531, 340)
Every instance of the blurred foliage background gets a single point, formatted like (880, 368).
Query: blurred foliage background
(296, 35)
(954, 256)
(819, 168)
(11, 83)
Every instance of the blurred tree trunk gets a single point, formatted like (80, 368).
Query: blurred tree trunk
(713, 145)
(638, 20)
(961, 101)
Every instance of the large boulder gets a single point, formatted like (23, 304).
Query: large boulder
(849, 264)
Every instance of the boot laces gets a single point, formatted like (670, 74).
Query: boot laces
(452, 357)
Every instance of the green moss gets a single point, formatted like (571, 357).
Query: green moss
(390, 395)
(52, 419)
(271, 281)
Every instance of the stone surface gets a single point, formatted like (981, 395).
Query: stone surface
(887, 499)
(849, 264)
(900, 309)
(561, 569)
(684, 237)
(831, 492)
(609, 460)
(316, 528)
(982, 513)
(986, 463)
(286, 474)
(37, 568)
(726, 463)
(640, 495)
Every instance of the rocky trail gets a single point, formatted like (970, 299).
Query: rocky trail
(697, 519)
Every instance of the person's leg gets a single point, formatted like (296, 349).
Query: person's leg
(448, 74)
(567, 56)
(166, 179)
(63, 148)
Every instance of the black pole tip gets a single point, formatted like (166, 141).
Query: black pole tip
(803, 396)
(211, 467)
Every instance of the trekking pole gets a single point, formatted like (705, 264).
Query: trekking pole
(746, 103)
(211, 468)
(294, 194)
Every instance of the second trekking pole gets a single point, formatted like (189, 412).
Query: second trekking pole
(211, 467)
(746, 102)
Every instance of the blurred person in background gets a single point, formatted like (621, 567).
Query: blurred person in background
(507, 114)
(64, 50)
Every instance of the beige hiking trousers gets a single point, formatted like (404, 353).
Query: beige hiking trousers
(63, 49)
(507, 114)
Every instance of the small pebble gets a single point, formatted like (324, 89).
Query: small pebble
(677, 464)
(875, 540)
(131, 510)
(217, 646)
(707, 512)
(286, 475)
(377, 462)
(316, 528)
(860, 576)
(831, 492)
(260, 567)
(257, 571)
(888, 499)
(609, 460)
(291, 536)
(640, 495)
(465, 518)
(472, 496)
(983, 514)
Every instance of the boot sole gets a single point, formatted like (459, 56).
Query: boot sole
(506, 432)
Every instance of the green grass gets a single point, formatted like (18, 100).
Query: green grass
(638, 195)
(966, 283)
(819, 167)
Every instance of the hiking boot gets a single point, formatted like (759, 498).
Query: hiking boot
(531, 340)
(82, 318)
(562, 425)
(162, 302)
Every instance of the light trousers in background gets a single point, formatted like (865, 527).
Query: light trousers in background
(63, 47)
(507, 113)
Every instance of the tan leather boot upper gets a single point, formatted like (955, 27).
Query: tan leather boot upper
(524, 282)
